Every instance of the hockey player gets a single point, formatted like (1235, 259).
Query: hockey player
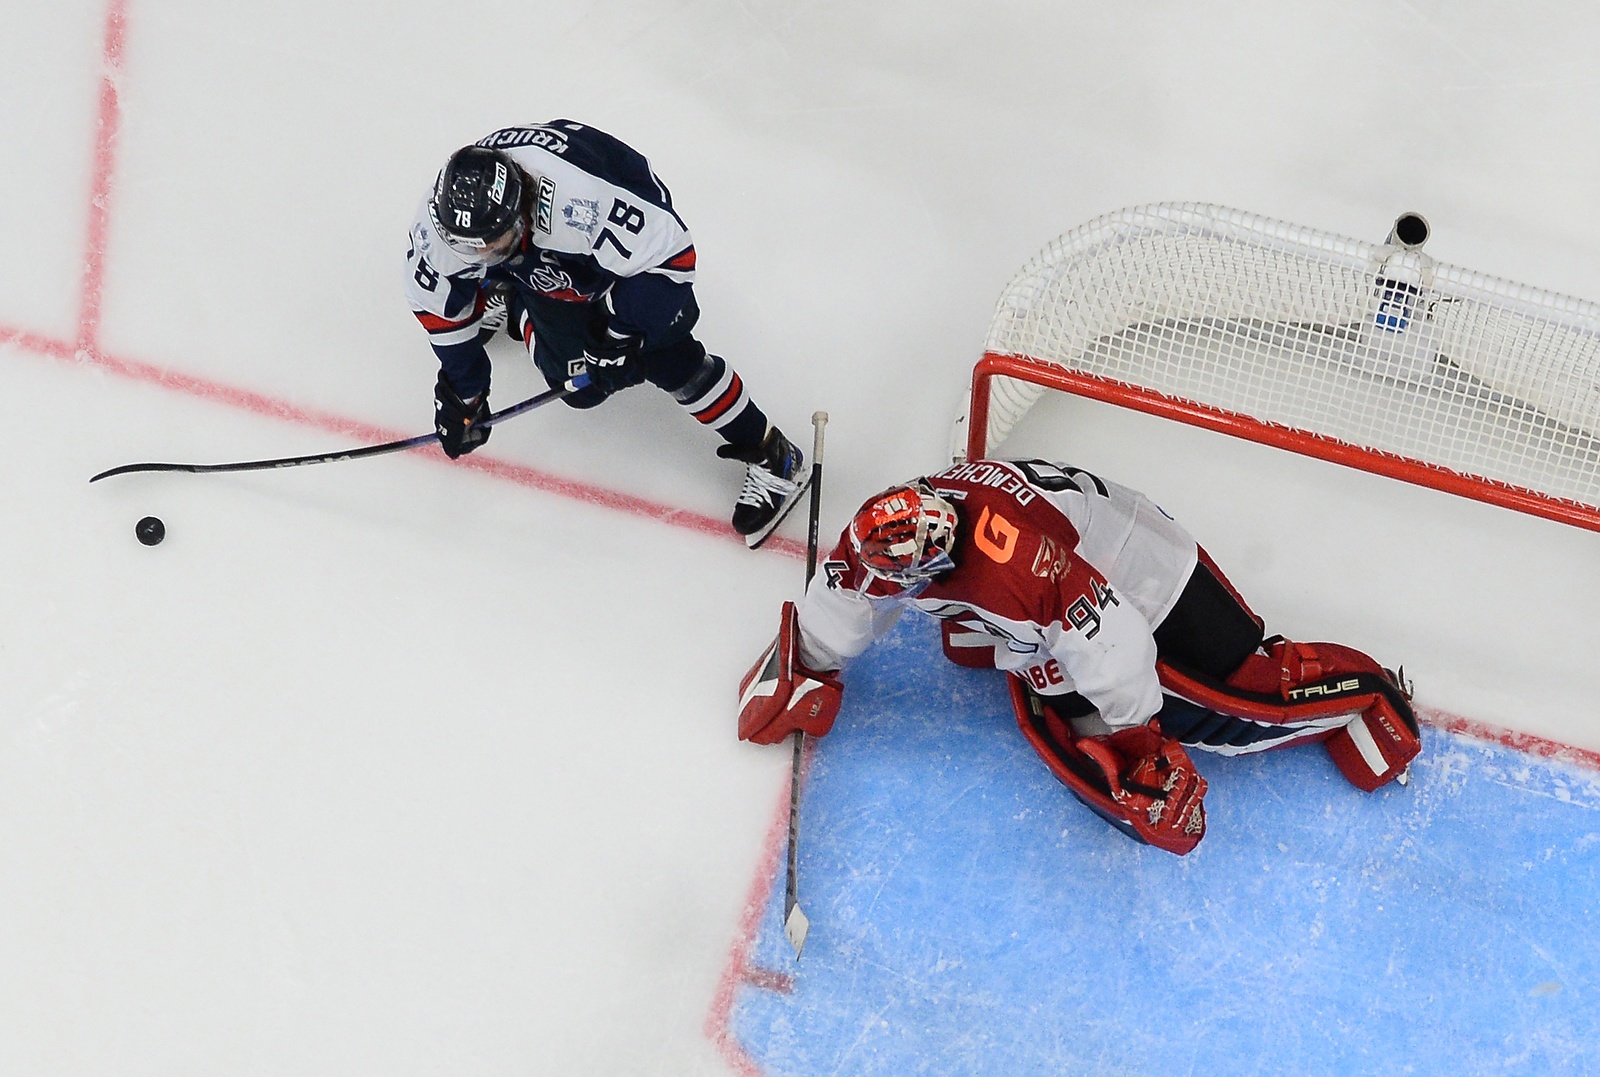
(1122, 640)
(565, 236)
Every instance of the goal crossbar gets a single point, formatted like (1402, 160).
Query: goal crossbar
(1305, 442)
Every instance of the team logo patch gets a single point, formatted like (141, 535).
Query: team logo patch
(1052, 561)
(996, 536)
(550, 279)
(582, 214)
(544, 211)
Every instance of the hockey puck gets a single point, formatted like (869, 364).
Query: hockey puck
(150, 530)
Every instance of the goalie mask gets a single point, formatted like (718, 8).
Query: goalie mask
(905, 534)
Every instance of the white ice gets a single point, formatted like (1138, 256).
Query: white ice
(394, 767)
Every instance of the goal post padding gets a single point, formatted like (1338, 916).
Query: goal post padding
(1371, 355)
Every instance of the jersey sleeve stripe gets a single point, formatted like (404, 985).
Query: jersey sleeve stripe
(435, 324)
(443, 330)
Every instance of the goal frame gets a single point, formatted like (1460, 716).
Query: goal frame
(1307, 443)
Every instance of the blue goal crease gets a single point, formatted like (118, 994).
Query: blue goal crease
(968, 917)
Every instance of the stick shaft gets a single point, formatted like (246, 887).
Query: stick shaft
(795, 923)
(340, 454)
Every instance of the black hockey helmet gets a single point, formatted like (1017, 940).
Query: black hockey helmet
(477, 203)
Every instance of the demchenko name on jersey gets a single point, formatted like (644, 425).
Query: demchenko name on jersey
(1123, 641)
(983, 474)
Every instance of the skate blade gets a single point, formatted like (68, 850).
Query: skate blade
(755, 538)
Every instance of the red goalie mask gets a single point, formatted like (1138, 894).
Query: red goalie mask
(905, 534)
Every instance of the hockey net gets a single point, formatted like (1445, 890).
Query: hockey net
(1369, 354)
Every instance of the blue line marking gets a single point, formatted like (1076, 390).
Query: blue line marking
(968, 917)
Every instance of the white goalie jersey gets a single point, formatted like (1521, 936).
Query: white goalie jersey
(1064, 574)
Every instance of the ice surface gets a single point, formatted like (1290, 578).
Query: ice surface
(972, 918)
(396, 767)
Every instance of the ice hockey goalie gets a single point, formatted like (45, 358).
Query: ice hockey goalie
(1124, 644)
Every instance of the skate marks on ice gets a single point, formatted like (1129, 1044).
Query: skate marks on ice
(969, 917)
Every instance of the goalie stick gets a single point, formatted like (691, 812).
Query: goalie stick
(346, 454)
(795, 924)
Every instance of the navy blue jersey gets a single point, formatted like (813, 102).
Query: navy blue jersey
(601, 230)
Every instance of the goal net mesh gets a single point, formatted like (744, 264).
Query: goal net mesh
(1370, 344)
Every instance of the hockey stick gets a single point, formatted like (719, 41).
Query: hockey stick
(348, 454)
(795, 924)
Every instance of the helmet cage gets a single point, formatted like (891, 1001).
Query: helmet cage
(905, 534)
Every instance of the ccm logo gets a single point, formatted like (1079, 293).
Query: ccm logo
(1335, 689)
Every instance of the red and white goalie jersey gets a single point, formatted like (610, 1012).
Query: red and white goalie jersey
(1067, 574)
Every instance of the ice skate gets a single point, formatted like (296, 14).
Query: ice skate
(775, 478)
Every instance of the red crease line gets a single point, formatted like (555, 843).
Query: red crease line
(1510, 738)
(739, 971)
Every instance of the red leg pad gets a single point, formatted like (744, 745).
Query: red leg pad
(1337, 694)
(1140, 782)
(1375, 748)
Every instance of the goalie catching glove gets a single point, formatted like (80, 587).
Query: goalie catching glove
(779, 696)
(1139, 780)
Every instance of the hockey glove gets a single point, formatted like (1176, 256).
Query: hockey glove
(779, 696)
(1152, 785)
(457, 422)
(612, 358)
(1139, 780)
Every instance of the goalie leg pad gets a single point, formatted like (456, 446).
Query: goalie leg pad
(1138, 780)
(1296, 693)
(779, 696)
(1376, 746)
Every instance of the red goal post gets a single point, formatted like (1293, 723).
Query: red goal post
(1371, 355)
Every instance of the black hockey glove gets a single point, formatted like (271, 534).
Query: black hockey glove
(457, 422)
(612, 359)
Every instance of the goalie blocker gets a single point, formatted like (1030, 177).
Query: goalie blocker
(779, 697)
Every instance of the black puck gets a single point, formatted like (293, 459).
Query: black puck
(150, 530)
